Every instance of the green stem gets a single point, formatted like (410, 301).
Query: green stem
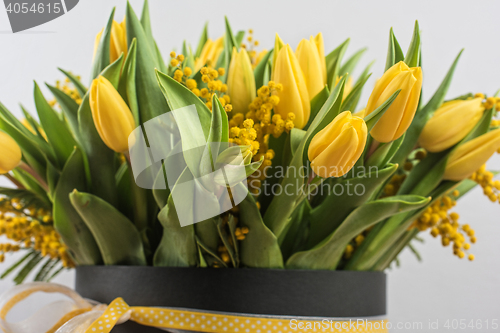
(35, 175)
(13, 180)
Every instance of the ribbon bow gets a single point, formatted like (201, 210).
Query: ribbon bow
(78, 315)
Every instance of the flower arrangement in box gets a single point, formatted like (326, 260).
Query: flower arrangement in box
(299, 174)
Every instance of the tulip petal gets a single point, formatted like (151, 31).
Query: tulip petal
(294, 97)
(10, 153)
(335, 160)
(470, 156)
(324, 137)
(309, 60)
(450, 124)
(386, 128)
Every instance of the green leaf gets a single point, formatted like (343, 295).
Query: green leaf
(260, 247)
(113, 71)
(188, 56)
(239, 38)
(178, 245)
(100, 158)
(385, 235)
(413, 53)
(193, 142)
(28, 196)
(82, 90)
(149, 97)
(482, 127)
(297, 234)
(202, 41)
(146, 23)
(118, 240)
(384, 153)
(260, 70)
(333, 60)
(226, 240)
(372, 119)
(328, 253)
(161, 192)
(30, 265)
(101, 57)
(351, 63)
(57, 133)
(53, 175)
(351, 100)
(68, 106)
(323, 222)
(394, 54)
(123, 186)
(30, 183)
(9, 270)
(32, 152)
(208, 235)
(316, 103)
(68, 223)
(229, 43)
(126, 86)
(179, 96)
(423, 115)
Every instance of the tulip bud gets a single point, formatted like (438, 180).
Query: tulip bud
(241, 81)
(10, 153)
(278, 45)
(450, 124)
(471, 155)
(310, 63)
(259, 57)
(117, 42)
(335, 149)
(210, 53)
(320, 45)
(112, 117)
(294, 96)
(399, 116)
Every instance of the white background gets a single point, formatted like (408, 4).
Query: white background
(442, 286)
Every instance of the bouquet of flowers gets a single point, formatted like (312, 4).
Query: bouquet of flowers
(226, 156)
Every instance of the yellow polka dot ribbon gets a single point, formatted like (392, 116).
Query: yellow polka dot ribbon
(199, 321)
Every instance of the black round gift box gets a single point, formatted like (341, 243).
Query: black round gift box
(296, 293)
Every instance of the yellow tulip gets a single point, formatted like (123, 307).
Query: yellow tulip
(112, 117)
(320, 45)
(399, 116)
(278, 45)
(348, 86)
(450, 124)
(10, 153)
(470, 156)
(118, 41)
(335, 149)
(310, 63)
(259, 57)
(210, 53)
(241, 81)
(294, 96)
